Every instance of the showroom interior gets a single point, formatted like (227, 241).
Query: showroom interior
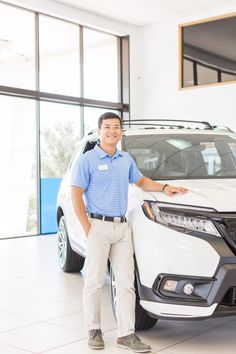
(62, 64)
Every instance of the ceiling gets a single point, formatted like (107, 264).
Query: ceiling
(144, 12)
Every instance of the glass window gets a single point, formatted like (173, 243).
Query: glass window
(232, 147)
(212, 159)
(212, 43)
(188, 73)
(183, 157)
(206, 75)
(100, 66)
(60, 133)
(24, 35)
(59, 56)
(17, 47)
(18, 178)
(59, 136)
(228, 77)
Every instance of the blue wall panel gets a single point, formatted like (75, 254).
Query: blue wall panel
(49, 190)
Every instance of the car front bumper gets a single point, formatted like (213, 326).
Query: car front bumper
(212, 297)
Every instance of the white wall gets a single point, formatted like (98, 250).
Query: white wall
(157, 81)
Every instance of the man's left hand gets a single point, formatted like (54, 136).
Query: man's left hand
(171, 190)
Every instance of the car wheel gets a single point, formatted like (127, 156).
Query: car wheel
(142, 318)
(69, 260)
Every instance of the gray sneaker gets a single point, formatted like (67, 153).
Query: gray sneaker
(133, 343)
(95, 339)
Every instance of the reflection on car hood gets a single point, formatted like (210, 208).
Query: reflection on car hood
(218, 194)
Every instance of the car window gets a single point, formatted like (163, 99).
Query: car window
(183, 156)
(232, 147)
(77, 152)
(89, 146)
(83, 146)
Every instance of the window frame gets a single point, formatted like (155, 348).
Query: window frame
(123, 106)
(220, 72)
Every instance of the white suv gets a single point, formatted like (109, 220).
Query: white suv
(185, 246)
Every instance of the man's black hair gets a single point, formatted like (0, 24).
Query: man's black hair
(108, 115)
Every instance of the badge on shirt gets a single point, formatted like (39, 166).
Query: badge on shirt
(103, 167)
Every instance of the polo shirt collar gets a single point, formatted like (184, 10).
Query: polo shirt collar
(101, 153)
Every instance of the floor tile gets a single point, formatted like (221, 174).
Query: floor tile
(81, 347)
(9, 321)
(10, 298)
(218, 340)
(18, 283)
(40, 337)
(41, 310)
(61, 291)
(6, 349)
(162, 336)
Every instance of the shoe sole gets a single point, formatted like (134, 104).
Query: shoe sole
(135, 351)
(98, 348)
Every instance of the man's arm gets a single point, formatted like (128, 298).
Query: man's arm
(148, 184)
(79, 207)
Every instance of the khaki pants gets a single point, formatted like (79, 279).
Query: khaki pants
(111, 240)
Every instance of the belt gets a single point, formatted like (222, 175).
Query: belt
(108, 218)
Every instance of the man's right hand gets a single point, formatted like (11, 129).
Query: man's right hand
(87, 229)
(79, 207)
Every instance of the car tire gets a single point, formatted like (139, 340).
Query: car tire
(142, 319)
(69, 260)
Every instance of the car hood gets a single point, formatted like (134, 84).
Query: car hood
(218, 194)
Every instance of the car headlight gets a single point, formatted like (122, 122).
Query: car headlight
(179, 221)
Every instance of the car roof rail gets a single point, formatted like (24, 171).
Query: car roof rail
(178, 123)
(222, 127)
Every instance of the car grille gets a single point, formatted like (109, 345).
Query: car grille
(229, 298)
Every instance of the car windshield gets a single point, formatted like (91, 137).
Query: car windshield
(183, 156)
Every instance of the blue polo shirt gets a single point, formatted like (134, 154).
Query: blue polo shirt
(105, 180)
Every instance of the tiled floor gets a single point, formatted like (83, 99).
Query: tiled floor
(41, 310)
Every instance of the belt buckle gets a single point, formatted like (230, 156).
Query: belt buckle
(117, 219)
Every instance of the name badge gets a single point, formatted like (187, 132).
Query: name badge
(103, 167)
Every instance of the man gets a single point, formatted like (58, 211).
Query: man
(103, 175)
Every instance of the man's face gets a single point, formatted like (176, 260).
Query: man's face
(110, 132)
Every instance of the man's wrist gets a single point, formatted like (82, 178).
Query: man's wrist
(87, 229)
(164, 186)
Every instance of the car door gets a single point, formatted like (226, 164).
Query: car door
(75, 230)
